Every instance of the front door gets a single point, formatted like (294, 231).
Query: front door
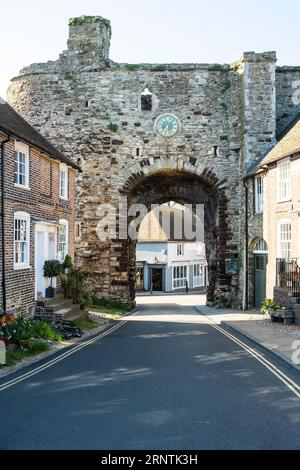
(39, 264)
(45, 249)
(157, 279)
(260, 263)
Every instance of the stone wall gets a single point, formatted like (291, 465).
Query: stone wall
(90, 108)
(288, 95)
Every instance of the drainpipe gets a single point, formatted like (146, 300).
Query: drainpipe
(3, 226)
(246, 257)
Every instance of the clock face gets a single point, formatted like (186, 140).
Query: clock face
(167, 125)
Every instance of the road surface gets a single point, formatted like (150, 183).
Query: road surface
(163, 379)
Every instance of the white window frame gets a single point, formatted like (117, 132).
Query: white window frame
(283, 196)
(260, 247)
(198, 279)
(63, 192)
(63, 223)
(25, 217)
(281, 251)
(180, 249)
(21, 149)
(179, 282)
(259, 194)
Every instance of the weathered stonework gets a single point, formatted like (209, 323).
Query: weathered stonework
(90, 107)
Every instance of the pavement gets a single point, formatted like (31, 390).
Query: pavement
(162, 378)
(278, 339)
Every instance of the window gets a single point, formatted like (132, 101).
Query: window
(146, 100)
(63, 182)
(260, 246)
(284, 180)
(78, 229)
(285, 239)
(180, 249)
(197, 275)
(62, 240)
(259, 194)
(179, 277)
(21, 240)
(21, 165)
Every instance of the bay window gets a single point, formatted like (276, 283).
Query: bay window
(179, 277)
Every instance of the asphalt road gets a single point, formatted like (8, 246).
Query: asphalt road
(165, 379)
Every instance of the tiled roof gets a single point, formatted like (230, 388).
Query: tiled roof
(13, 124)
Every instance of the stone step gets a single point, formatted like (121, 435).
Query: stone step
(59, 304)
(76, 315)
(68, 311)
(50, 300)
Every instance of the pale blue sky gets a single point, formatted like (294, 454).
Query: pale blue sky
(152, 30)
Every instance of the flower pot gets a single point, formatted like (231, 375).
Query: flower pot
(50, 292)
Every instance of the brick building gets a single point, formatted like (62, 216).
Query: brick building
(37, 196)
(274, 224)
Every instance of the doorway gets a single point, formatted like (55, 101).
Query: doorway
(157, 279)
(45, 249)
(260, 264)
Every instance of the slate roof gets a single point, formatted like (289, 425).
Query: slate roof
(288, 144)
(13, 124)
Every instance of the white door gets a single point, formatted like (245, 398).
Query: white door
(45, 249)
(39, 262)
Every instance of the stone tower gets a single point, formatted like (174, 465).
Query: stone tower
(92, 109)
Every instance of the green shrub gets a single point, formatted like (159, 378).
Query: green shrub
(21, 329)
(67, 264)
(43, 330)
(52, 268)
(108, 303)
(67, 285)
(36, 347)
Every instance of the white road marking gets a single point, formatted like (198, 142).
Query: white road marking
(295, 388)
(54, 361)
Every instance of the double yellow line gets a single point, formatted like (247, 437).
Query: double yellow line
(295, 388)
(61, 357)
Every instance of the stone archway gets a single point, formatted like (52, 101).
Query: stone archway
(184, 187)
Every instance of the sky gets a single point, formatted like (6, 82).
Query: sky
(211, 31)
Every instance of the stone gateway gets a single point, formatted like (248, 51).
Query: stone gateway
(155, 133)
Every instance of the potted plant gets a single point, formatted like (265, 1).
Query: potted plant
(52, 268)
(267, 306)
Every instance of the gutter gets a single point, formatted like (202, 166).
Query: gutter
(246, 257)
(3, 225)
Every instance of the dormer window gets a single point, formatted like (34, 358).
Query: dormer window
(146, 100)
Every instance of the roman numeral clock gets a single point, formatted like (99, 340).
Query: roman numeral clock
(167, 125)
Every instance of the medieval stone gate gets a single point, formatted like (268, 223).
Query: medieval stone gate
(183, 132)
